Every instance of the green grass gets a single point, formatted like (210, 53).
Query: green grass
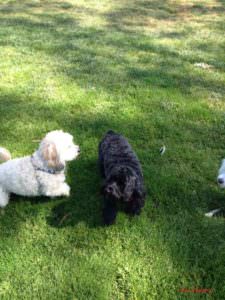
(88, 66)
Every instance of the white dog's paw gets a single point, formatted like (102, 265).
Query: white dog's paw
(66, 190)
(4, 198)
(62, 190)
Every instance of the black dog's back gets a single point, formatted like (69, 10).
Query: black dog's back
(114, 149)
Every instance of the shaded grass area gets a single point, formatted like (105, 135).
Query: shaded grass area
(86, 67)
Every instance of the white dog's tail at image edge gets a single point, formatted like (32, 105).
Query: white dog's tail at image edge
(4, 155)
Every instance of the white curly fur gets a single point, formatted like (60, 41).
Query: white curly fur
(39, 174)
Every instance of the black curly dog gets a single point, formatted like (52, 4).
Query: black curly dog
(123, 178)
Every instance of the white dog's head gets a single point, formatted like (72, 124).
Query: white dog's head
(221, 175)
(56, 148)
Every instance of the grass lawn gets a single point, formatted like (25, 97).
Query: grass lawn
(154, 71)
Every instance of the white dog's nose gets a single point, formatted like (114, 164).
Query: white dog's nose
(220, 180)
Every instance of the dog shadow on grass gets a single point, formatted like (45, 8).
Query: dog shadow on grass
(85, 202)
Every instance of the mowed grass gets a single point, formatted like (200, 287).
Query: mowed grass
(128, 65)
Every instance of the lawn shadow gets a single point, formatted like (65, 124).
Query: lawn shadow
(88, 52)
(19, 211)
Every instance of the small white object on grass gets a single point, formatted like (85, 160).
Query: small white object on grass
(4, 154)
(203, 65)
(162, 150)
(214, 212)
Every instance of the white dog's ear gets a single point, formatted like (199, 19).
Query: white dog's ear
(50, 154)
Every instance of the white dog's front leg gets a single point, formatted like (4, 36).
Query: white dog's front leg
(4, 198)
(65, 189)
(62, 190)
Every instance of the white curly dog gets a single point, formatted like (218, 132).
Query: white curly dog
(41, 174)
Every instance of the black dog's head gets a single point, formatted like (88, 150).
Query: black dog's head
(123, 184)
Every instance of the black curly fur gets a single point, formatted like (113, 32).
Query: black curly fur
(123, 178)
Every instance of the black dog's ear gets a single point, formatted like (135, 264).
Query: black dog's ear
(130, 185)
(139, 196)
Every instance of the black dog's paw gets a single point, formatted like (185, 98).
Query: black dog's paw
(108, 222)
(132, 209)
(136, 212)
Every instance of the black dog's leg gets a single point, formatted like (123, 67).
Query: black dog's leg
(133, 208)
(109, 212)
(102, 170)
